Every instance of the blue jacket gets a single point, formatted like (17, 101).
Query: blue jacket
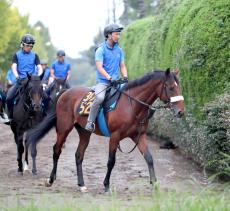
(61, 69)
(111, 59)
(26, 63)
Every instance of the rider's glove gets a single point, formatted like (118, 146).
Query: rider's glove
(19, 81)
(114, 82)
(125, 80)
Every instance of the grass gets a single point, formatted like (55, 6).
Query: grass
(164, 200)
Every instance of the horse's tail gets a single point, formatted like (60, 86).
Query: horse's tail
(35, 134)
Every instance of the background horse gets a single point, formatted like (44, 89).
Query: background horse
(2, 103)
(129, 119)
(27, 112)
(53, 92)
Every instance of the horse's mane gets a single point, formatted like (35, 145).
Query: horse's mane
(156, 74)
(142, 80)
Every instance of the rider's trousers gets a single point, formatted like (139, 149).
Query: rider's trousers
(100, 90)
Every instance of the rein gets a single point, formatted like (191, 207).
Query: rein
(151, 111)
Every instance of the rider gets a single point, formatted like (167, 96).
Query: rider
(60, 68)
(109, 59)
(46, 71)
(24, 62)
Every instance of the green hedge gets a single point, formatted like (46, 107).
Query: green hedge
(194, 36)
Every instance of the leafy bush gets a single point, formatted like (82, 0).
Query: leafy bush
(193, 36)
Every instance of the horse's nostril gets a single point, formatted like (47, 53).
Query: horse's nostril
(180, 113)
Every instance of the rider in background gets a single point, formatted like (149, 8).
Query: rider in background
(46, 71)
(109, 59)
(24, 62)
(10, 79)
(60, 68)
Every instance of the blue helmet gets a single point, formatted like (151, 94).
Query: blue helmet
(61, 53)
(28, 39)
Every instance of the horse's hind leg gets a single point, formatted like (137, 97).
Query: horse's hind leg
(111, 162)
(143, 147)
(33, 149)
(62, 132)
(79, 155)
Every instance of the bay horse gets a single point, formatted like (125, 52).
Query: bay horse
(53, 92)
(129, 119)
(27, 112)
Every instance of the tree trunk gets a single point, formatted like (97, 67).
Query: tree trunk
(141, 8)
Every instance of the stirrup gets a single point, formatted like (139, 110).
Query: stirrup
(90, 126)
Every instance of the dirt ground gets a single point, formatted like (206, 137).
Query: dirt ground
(129, 176)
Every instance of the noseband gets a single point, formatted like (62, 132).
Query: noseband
(170, 100)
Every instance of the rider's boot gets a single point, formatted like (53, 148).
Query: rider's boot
(90, 126)
(5, 117)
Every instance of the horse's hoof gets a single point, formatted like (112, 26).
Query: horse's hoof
(47, 183)
(108, 191)
(35, 175)
(83, 189)
(34, 172)
(19, 173)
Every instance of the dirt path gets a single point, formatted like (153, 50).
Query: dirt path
(130, 175)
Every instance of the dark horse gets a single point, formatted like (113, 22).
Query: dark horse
(54, 91)
(27, 112)
(129, 119)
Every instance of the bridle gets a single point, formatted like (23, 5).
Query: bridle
(29, 102)
(151, 109)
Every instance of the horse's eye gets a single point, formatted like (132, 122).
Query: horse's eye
(171, 88)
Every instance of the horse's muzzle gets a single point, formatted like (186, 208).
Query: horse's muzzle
(37, 108)
(178, 112)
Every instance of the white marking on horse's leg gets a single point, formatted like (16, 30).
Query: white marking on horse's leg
(83, 189)
(25, 166)
(47, 183)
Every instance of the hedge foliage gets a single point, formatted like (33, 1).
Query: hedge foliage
(194, 36)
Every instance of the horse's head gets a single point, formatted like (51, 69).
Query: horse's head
(34, 92)
(170, 93)
(58, 87)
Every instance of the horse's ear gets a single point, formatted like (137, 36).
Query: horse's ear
(28, 75)
(177, 72)
(167, 72)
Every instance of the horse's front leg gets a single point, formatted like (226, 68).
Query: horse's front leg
(20, 149)
(79, 156)
(143, 147)
(26, 162)
(113, 143)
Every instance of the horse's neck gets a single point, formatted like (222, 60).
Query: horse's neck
(146, 93)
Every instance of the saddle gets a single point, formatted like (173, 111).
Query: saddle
(112, 96)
